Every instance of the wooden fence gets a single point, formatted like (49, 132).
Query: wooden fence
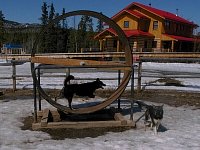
(138, 58)
(106, 55)
(137, 69)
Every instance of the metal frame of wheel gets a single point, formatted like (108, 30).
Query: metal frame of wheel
(127, 72)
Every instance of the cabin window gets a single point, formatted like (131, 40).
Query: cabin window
(126, 24)
(155, 25)
(167, 24)
(182, 27)
(177, 27)
(154, 44)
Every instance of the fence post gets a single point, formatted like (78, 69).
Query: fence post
(35, 98)
(139, 76)
(119, 80)
(39, 96)
(132, 93)
(14, 75)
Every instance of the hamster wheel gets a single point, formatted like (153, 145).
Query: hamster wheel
(125, 66)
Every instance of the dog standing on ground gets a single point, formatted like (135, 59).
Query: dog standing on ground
(153, 115)
(84, 89)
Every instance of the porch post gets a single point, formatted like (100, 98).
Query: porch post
(135, 46)
(101, 45)
(118, 45)
(172, 46)
(180, 46)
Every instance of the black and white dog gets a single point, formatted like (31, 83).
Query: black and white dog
(153, 115)
(84, 89)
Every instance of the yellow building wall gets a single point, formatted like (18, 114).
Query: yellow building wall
(152, 17)
(133, 21)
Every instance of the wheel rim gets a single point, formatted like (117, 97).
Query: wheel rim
(127, 73)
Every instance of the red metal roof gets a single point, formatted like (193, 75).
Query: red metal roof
(181, 38)
(131, 12)
(161, 13)
(109, 30)
(136, 13)
(128, 33)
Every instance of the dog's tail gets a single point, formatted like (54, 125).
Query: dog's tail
(67, 79)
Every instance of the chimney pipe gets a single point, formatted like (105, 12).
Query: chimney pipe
(177, 12)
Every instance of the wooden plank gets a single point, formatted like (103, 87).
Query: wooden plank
(119, 121)
(45, 116)
(26, 57)
(55, 115)
(81, 125)
(80, 63)
(40, 113)
(119, 117)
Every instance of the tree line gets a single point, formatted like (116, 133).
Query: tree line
(59, 37)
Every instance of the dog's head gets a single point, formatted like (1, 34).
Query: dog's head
(158, 111)
(99, 83)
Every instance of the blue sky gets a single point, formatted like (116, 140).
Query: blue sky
(28, 11)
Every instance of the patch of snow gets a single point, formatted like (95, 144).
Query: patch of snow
(180, 126)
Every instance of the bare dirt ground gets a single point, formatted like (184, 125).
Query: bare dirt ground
(170, 97)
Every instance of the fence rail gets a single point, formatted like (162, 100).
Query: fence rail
(138, 84)
(113, 55)
(145, 57)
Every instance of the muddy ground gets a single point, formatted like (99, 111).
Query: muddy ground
(170, 97)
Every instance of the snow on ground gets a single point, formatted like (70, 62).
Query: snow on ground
(149, 69)
(180, 126)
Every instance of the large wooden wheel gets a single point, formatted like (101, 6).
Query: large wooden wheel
(125, 66)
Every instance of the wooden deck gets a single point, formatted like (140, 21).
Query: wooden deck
(51, 119)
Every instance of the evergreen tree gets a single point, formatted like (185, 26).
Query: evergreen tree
(64, 22)
(51, 39)
(44, 22)
(51, 12)
(85, 30)
(58, 25)
(44, 17)
(1, 28)
(80, 37)
(72, 40)
(99, 26)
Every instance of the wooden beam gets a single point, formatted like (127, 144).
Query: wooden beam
(45, 117)
(82, 125)
(119, 117)
(80, 63)
(26, 57)
(119, 121)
